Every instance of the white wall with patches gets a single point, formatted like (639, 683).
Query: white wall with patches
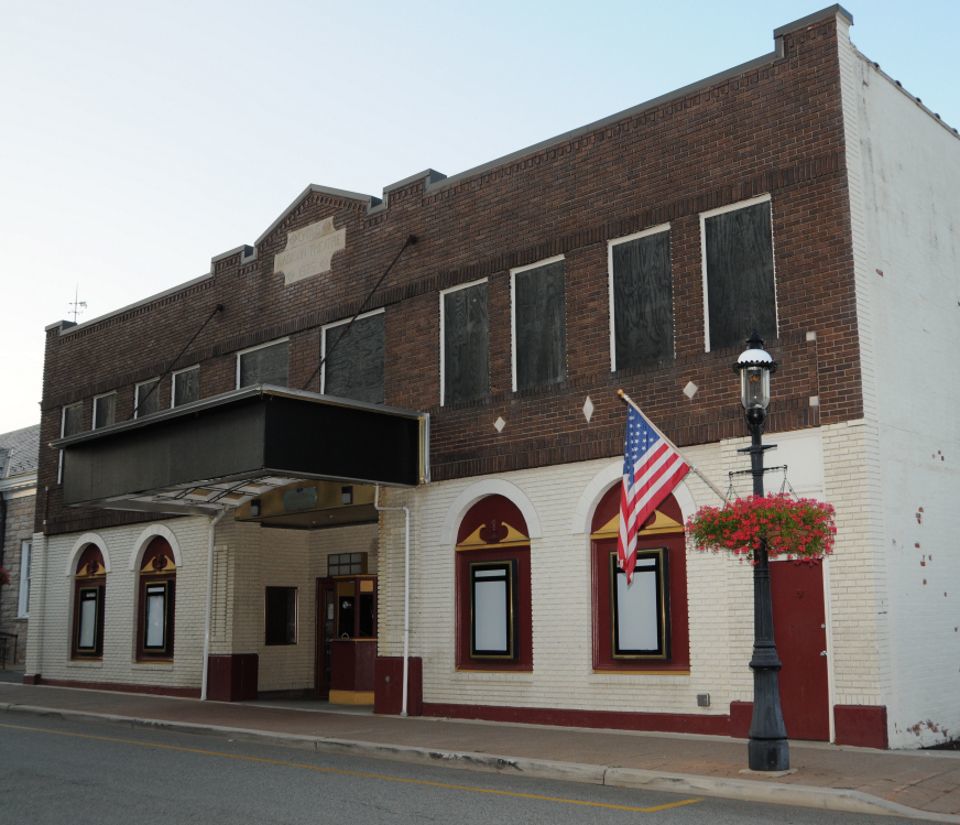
(905, 179)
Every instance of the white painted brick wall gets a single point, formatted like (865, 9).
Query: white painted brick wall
(904, 171)
(720, 595)
(49, 652)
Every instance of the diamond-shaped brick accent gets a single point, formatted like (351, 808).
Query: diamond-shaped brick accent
(690, 390)
(588, 409)
(499, 424)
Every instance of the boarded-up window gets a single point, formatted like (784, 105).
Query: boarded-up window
(353, 365)
(740, 286)
(466, 368)
(104, 410)
(72, 419)
(642, 301)
(263, 365)
(148, 397)
(186, 386)
(539, 324)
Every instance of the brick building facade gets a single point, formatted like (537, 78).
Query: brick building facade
(748, 199)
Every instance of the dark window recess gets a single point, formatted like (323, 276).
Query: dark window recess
(643, 301)
(281, 616)
(267, 365)
(148, 398)
(541, 345)
(466, 368)
(740, 285)
(72, 419)
(104, 410)
(354, 360)
(156, 617)
(186, 386)
(345, 564)
(89, 621)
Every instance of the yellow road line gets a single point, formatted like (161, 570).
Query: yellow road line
(283, 763)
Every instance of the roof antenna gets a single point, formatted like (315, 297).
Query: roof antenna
(77, 304)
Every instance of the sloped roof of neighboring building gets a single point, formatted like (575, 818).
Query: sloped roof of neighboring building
(18, 451)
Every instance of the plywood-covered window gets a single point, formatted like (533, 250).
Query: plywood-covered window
(739, 286)
(146, 399)
(266, 364)
(186, 386)
(641, 299)
(465, 337)
(539, 308)
(104, 410)
(353, 358)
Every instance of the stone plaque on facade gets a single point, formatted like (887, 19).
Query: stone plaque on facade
(309, 251)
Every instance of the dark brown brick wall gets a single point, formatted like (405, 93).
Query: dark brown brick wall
(775, 129)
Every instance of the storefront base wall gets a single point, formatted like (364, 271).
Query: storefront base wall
(715, 725)
(121, 687)
(233, 678)
(864, 726)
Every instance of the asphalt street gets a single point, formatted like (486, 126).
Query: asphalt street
(57, 770)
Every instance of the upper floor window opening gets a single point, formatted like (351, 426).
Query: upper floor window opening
(464, 343)
(353, 358)
(104, 410)
(739, 284)
(185, 386)
(538, 310)
(641, 299)
(146, 398)
(264, 364)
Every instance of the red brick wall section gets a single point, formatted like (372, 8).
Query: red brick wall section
(775, 129)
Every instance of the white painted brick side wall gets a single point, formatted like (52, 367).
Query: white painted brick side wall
(49, 653)
(906, 167)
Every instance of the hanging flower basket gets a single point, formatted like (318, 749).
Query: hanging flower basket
(796, 528)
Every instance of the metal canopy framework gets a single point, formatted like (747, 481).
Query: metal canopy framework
(221, 452)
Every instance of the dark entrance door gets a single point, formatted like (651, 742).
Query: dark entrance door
(346, 638)
(801, 636)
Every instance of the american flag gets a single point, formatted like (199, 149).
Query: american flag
(651, 469)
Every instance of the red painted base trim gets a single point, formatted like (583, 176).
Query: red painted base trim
(388, 685)
(862, 725)
(664, 722)
(154, 690)
(741, 715)
(31, 679)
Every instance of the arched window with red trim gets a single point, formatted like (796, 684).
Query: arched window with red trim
(493, 588)
(89, 589)
(641, 626)
(157, 586)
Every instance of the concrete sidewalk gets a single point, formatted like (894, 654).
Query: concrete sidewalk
(918, 784)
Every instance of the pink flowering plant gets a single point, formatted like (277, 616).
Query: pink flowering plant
(796, 528)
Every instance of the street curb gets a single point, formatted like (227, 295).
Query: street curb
(748, 790)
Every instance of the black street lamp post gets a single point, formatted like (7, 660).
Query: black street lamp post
(768, 749)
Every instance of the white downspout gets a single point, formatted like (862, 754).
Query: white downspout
(208, 603)
(406, 592)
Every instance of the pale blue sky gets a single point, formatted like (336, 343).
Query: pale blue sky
(138, 140)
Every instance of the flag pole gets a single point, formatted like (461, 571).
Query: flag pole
(628, 400)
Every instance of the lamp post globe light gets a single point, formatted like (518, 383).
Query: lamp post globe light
(768, 749)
